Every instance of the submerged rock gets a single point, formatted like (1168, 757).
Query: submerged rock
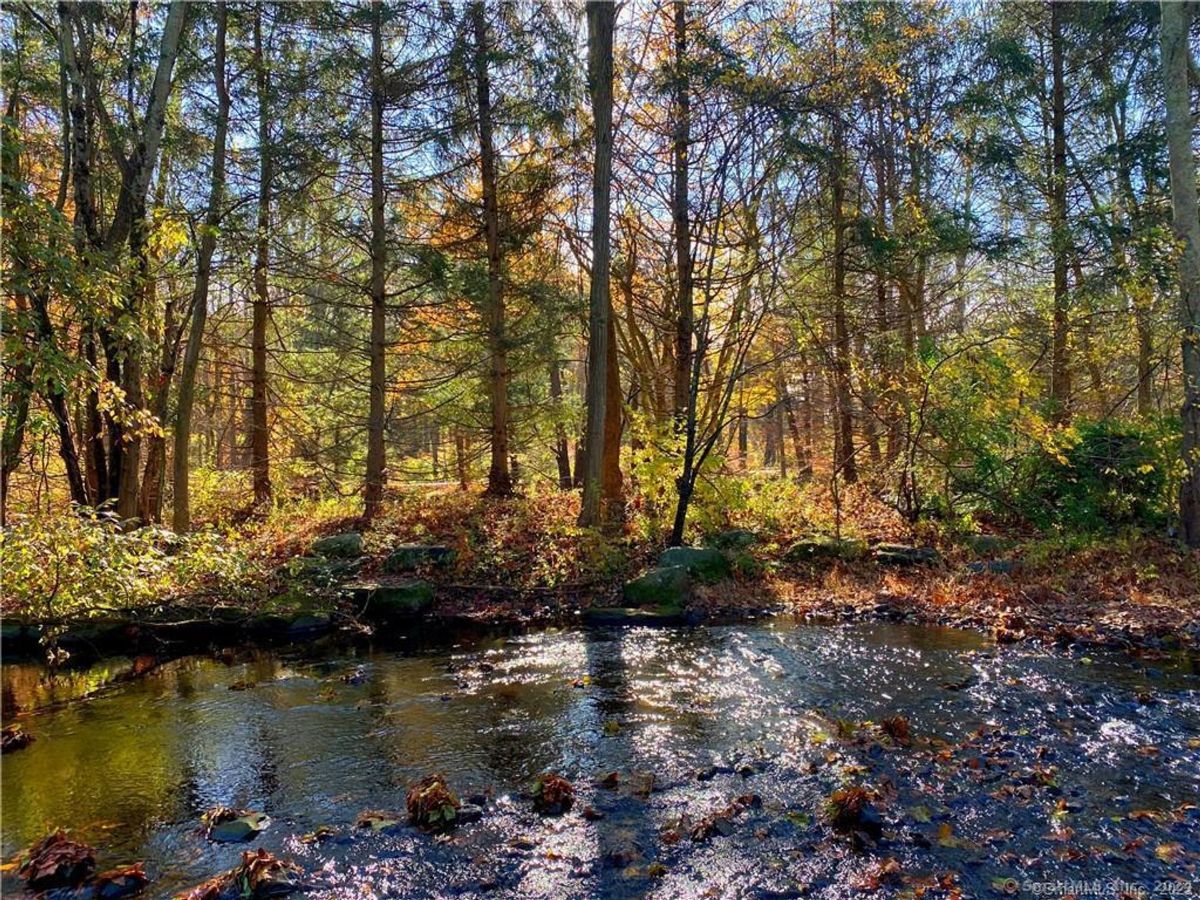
(410, 557)
(224, 825)
(391, 600)
(117, 883)
(339, 546)
(380, 820)
(634, 615)
(704, 563)
(667, 587)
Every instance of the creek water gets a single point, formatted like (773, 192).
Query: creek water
(1023, 764)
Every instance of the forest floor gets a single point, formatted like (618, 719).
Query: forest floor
(523, 561)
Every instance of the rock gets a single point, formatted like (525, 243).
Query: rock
(669, 586)
(14, 737)
(733, 539)
(380, 821)
(904, 555)
(392, 600)
(410, 557)
(339, 546)
(810, 549)
(223, 825)
(634, 615)
(56, 861)
(704, 563)
(117, 883)
(469, 812)
(308, 626)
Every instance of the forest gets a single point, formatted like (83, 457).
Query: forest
(336, 332)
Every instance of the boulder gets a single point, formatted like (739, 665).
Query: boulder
(410, 557)
(339, 546)
(667, 586)
(988, 544)
(704, 563)
(322, 572)
(392, 600)
(307, 626)
(904, 555)
(822, 547)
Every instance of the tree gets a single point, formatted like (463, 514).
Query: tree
(260, 433)
(181, 518)
(376, 470)
(1176, 62)
(602, 359)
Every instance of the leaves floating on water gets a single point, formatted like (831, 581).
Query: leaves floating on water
(257, 877)
(431, 804)
(552, 794)
(897, 729)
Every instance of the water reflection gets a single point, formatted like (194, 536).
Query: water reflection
(313, 739)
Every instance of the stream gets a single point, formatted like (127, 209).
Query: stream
(1023, 764)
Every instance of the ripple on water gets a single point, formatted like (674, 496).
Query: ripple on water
(1011, 745)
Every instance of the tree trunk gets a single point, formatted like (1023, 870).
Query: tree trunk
(499, 478)
(1060, 377)
(1175, 61)
(601, 346)
(260, 436)
(844, 463)
(680, 221)
(181, 516)
(562, 454)
(376, 471)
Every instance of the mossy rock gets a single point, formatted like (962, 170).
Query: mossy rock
(634, 615)
(308, 626)
(732, 539)
(822, 547)
(904, 555)
(339, 546)
(410, 557)
(392, 600)
(666, 586)
(321, 572)
(704, 563)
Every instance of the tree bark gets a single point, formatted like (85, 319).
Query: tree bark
(499, 477)
(260, 436)
(1186, 215)
(376, 461)
(562, 453)
(181, 514)
(601, 345)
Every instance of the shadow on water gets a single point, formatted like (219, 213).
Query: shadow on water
(1025, 764)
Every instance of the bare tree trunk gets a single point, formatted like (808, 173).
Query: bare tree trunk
(181, 514)
(601, 17)
(499, 477)
(1175, 61)
(376, 461)
(260, 436)
(1060, 377)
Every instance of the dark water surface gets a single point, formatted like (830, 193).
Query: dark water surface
(771, 709)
